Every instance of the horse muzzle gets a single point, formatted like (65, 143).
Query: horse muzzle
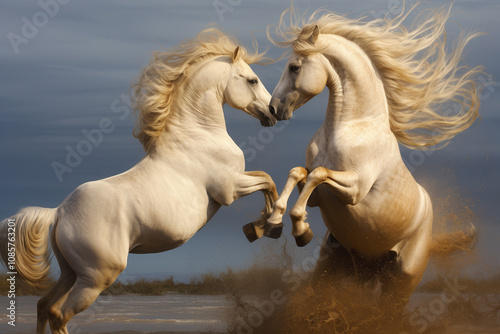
(268, 121)
(279, 112)
(263, 114)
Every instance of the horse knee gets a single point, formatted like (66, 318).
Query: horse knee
(279, 207)
(298, 173)
(319, 174)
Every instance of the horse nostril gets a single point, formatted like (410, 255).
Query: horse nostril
(272, 110)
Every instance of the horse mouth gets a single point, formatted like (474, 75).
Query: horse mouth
(265, 117)
(280, 111)
(286, 115)
(267, 122)
(283, 115)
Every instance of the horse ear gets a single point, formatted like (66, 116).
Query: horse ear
(236, 54)
(314, 36)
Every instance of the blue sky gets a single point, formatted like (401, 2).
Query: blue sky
(76, 66)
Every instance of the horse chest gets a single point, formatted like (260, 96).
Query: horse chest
(337, 151)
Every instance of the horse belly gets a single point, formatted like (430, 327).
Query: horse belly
(373, 226)
(163, 232)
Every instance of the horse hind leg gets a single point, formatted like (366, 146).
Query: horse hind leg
(83, 293)
(411, 264)
(92, 274)
(334, 264)
(58, 291)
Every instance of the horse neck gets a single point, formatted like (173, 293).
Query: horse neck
(199, 110)
(356, 92)
(196, 114)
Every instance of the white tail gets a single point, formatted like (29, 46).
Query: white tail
(31, 228)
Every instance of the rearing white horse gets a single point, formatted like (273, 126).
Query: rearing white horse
(379, 218)
(192, 167)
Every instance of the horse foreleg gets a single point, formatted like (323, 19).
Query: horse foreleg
(344, 185)
(313, 199)
(274, 223)
(247, 184)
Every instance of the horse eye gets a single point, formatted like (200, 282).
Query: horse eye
(294, 68)
(253, 81)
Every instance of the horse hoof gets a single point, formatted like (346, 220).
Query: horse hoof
(273, 230)
(304, 238)
(252, 232)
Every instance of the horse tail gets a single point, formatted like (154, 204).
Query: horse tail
(24, 240)
(448, 243)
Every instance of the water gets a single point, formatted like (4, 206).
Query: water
(212, 314)
(131, 313)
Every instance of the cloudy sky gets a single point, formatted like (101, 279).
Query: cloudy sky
(66, 65)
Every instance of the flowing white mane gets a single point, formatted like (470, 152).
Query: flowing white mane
(418, 73)
(153, 91)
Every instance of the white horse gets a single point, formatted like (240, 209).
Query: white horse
(379, 217)
(191, 168)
